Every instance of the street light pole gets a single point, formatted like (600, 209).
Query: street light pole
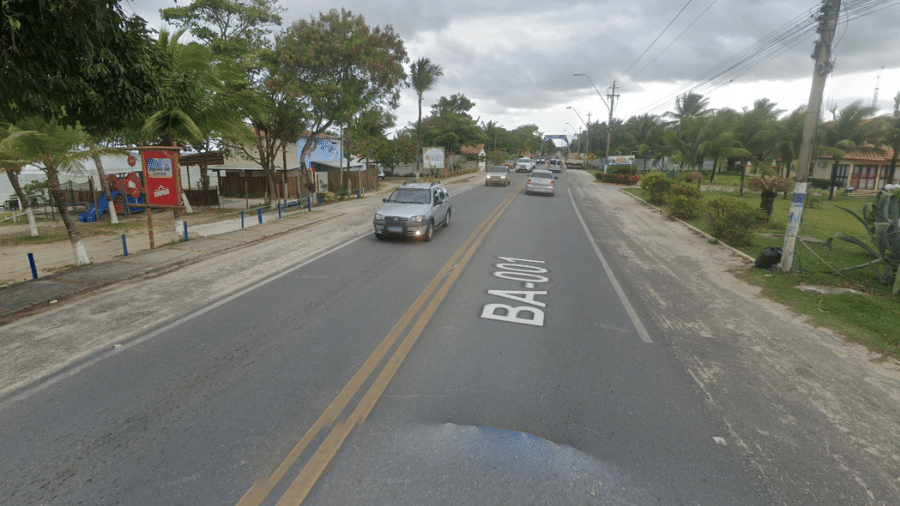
(586, 128)
(610, 106)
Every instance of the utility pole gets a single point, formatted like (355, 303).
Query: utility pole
(612, 104)
(822, 54)
(588, 126)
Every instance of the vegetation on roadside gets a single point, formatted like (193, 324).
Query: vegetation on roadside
(869, 316)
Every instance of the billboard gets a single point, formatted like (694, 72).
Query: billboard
(433, 158)
(162, 177)
(324, 150)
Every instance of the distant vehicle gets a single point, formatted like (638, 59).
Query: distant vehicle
(555, 165)
(524, 165)
(510, 163)
(540, 181)
(413, 210)
(541, 161)
(498, 175)
(381, 174)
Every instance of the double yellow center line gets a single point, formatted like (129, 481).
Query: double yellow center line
(304, 482)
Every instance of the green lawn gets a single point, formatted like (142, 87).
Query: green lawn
(871, 318)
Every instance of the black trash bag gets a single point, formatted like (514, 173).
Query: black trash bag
(768, 258)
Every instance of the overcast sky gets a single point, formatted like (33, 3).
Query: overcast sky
(515, 58)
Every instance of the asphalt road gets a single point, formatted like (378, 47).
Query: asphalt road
(527, 355)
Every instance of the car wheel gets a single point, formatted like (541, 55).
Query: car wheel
(447, 219)
(429, 232)
(379, 236)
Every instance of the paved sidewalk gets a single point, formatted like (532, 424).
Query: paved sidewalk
(31, 296)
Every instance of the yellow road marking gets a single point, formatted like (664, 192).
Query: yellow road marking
(304, 482)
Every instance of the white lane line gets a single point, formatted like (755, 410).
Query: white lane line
(635, 320)
(90, 363)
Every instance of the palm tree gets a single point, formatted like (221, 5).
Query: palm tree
(848, 132)
(54, 147)
(11, 162)
(689, 105)
(422, 76)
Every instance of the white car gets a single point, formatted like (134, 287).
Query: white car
(540, 181)
(524, 165)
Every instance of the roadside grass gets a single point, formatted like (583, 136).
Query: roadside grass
(54, 231)
(870, 318)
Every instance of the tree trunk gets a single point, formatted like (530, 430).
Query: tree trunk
(26, 206)
(418, 137)
(104, 187)
(81, 256)
(768, 201)
(832, 183)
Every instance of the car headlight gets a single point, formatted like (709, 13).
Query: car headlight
(417, 219)
(378, 217)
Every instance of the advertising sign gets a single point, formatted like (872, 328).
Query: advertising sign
(433, 158)
(162, 177)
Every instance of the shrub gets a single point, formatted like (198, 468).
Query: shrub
(692, 177)
(881, 220)
(625, 179)
(685, 202)
(730, 220)
(622, 169)
(657, 187)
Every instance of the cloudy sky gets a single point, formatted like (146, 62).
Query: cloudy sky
(516, 58)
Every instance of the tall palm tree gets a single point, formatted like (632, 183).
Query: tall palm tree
(689, 105)
(422, 76)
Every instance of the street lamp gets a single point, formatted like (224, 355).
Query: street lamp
(610, 108)
(586, 126)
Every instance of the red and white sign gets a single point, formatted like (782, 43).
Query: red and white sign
(162, 177)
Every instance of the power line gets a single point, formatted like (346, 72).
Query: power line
(786, 37)
(656, 39)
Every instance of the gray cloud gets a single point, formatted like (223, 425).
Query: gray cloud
(515, 58)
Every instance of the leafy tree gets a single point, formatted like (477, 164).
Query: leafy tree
(335, 66)
(769, 188)
(451, 126)
(237, 29)
(422, 76)
(76, 61)
(718, 140)
(236, 33)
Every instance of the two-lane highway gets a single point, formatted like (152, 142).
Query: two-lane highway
(509, 360)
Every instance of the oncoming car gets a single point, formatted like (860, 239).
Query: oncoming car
(540, 181)
(413, 210)
(498, 175)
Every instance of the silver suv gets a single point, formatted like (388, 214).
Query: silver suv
(413, 210)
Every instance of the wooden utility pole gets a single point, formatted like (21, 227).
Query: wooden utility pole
(822, 54)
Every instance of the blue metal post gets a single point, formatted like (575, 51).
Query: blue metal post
(279, 209)
(185, 231)
(259, 213)
(357, 193)
(319, 195)
(242, 218)
(124, 245)
(33, 267)
(309, 203)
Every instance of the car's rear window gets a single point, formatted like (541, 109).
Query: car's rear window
(541, 174)
(411, 196)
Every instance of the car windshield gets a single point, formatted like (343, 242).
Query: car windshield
(411, 196)
(499, 169)
(541, 175)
